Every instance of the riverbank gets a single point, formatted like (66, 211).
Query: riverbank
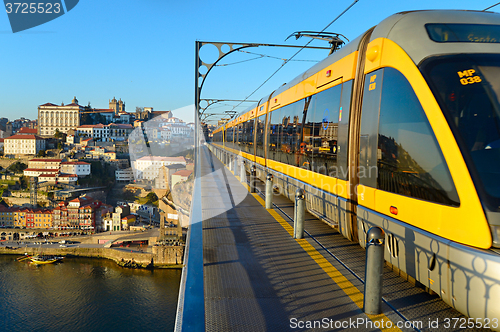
(161, 257)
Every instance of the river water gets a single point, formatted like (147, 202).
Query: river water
(83, 294)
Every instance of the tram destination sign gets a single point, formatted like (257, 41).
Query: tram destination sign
(463, 33)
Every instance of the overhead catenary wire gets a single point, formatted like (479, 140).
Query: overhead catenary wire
(260, 56)
(498, 3)
(284, 63)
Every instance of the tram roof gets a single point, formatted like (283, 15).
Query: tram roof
(407, 29)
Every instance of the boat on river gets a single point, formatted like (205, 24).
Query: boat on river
(41, 259)
(45, 259)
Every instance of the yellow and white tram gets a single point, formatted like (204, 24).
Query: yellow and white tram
(399, 129)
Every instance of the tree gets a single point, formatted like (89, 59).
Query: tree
(17, 167)
(41, 153)
(152, 197)
(128, 195)
(58, 134)
(59, 145)
(23, 182)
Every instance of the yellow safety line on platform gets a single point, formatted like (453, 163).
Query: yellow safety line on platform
(354, 294)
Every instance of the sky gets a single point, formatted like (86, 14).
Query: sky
(143, 51)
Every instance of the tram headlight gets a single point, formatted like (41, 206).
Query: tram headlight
(495, 233)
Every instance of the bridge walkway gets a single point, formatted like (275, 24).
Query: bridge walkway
(258, 278)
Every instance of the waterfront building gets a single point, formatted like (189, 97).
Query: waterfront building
(6, 216)
(23, 145)
(79, 213)
(20, 217)
(52, 117)
(127, 221)
(101, 213)
(38, 218)
(113, 221)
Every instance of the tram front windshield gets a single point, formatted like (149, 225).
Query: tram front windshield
(467, 86)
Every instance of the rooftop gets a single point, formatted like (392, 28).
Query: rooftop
(23, 136)
(184, 172)
(156, 158)
(46, 160)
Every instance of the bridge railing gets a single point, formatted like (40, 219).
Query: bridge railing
(191, 303)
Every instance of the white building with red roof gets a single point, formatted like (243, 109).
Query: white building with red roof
(23, 145)
(62, 118)
(147, 167)
(45, 163)
(98, 132)
(104, 133)
(36, 172)
(79, 168)
(27, 131)
(180, 176)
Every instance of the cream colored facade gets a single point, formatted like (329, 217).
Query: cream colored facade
(63, 118)
(23, 144)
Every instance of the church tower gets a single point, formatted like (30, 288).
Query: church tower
(121, 106)
(117, 106)
(113, 104)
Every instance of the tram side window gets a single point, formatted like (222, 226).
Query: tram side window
(291, 122)
(218, 137)
(343, 139)
(275, 130)
(369, 129)
(324, 117)
(240, 136)
(260, 129)
(229, 137)
(409, 159)
(248, 136)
